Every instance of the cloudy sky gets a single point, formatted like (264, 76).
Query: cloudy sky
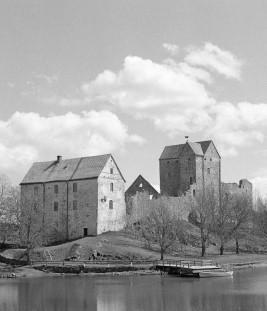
(131, 76)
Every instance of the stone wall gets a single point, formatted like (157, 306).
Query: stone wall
(169, 176)
(111, 219)
(243, 187)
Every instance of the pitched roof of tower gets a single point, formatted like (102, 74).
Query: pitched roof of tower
(69, 169)
(174, 151)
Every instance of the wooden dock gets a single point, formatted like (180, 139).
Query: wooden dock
(190, 268)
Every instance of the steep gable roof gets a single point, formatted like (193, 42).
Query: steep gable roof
(63, 170)
(174, 151)
(141, 184)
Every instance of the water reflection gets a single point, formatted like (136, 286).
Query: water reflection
(247, 291)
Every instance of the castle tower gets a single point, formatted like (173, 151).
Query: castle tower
(189, 166)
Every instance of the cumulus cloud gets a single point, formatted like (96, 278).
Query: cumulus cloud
(27, 137)
(176, 97)
(143, 84)
(173, 49)
(215, 59)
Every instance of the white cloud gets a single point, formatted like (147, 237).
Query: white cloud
(27, 137)
(176, 97)
(173, 49)
(142, 84)
(215, 59)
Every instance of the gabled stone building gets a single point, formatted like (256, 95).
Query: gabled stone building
(141, 185)
(189, 167)
(76, 197)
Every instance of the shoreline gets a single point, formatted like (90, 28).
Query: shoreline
(31, 272)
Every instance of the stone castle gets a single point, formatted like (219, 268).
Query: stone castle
(86, 196)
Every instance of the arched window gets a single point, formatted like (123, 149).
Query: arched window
(110, 203)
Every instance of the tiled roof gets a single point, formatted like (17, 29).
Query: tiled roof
(69, 169)
(174, 151)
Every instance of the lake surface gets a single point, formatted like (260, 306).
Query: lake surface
(246, 291)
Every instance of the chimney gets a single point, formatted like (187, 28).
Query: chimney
(59, 158)
(187, 138)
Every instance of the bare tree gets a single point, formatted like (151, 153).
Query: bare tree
(222, 218)
(161, 225)
(9, 204)
(30, 225)
(204, 206)
(241, 210)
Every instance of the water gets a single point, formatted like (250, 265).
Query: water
(246, 291)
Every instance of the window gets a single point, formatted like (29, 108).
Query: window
(55, 206)
(210, 159)
(194, 192)
(208, 170)
(55, 188)
(74, 205)
(35, 190)
(111, 187)
(74, 187)
(141, 185)
(110, 203)
(35, 206)
(191, 180)
(111, 170)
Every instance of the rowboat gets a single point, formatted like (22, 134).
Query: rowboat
(215, 273)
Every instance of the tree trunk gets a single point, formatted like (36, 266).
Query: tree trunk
(203, 248)
(203, 244)
(236, 246)
(161, 254)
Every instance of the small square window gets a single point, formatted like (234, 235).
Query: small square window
(74, 187)
(35, 190)
(111, 187)
(111, 170)
(55, 206)
(74, 204)
(110, 203)
(55, 188)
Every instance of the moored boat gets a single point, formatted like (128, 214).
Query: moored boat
(215, 273)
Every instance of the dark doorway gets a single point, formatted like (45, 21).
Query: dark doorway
(85, 231)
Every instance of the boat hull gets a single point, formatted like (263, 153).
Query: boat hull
(210, 274)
